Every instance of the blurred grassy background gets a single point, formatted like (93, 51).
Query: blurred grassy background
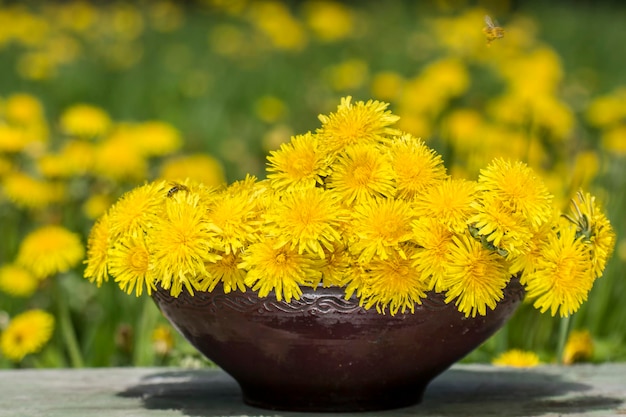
(238, 78)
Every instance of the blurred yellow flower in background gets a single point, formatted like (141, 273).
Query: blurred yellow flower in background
(17, 281)
(199, 168)
(120, 159)
(125, 20)
(50, 249)
(78, 156)
(155, 138)
(614, 140)
(517, 358)
(85, 121)
(329, 20)
(77, 16)
(32, 193)
(270, 109)
(6, 166)
(348, 75)
(12, 139)
(274, 20)
(578, 348)
(23, 109)
(162, 340)
(166, 16)
(96, 205)
(26, 333)
(387, 85)
(607, 110)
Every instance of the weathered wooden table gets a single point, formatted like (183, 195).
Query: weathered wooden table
(464, 390)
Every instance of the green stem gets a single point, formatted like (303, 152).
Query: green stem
(564, 326)
(67, 327)
(142, 354)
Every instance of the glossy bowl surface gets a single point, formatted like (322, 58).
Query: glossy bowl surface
(325, 353)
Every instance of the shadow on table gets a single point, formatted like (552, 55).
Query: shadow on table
(458, 392)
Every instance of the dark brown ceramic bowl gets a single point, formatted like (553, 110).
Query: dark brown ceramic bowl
(325, 353)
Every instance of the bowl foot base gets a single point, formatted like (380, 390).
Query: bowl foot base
(333, 401)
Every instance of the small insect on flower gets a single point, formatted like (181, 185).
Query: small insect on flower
(176, 188)
(492, 31)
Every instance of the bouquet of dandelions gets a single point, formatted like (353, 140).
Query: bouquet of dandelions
(362, 206)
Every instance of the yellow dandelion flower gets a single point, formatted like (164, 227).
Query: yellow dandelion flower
(269, 109)
(500, 228)
(156, 138)
(297, 164)
(96, 205)
(233, 218)
(379, 227)
(355, 123)
(79, 156)
(356, 281)
(28, 192)
(393, 283)
(526, 263)
(595, 229)
(275, 21)
(349, 74)
(361, 172)
(12, 139)
(129, 262)
(135, 211)
(563, 276)
(475, 276)
(308, 219)
(337, 266)
(449, 201)
(162, 340)
(119, 159)
(180, 243)
(26, 333)
(199, 167)
(516, 186)
(278, 268)
(54, 166)
(431, 257)
(50, 249)
(225, 270)
(330, 21)
(85, 120)
(387, 85)
(517, 358)
(98, 244)
(416, 167)
(578, 348)
(6, 165)
(17, 281)
(23, 109)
